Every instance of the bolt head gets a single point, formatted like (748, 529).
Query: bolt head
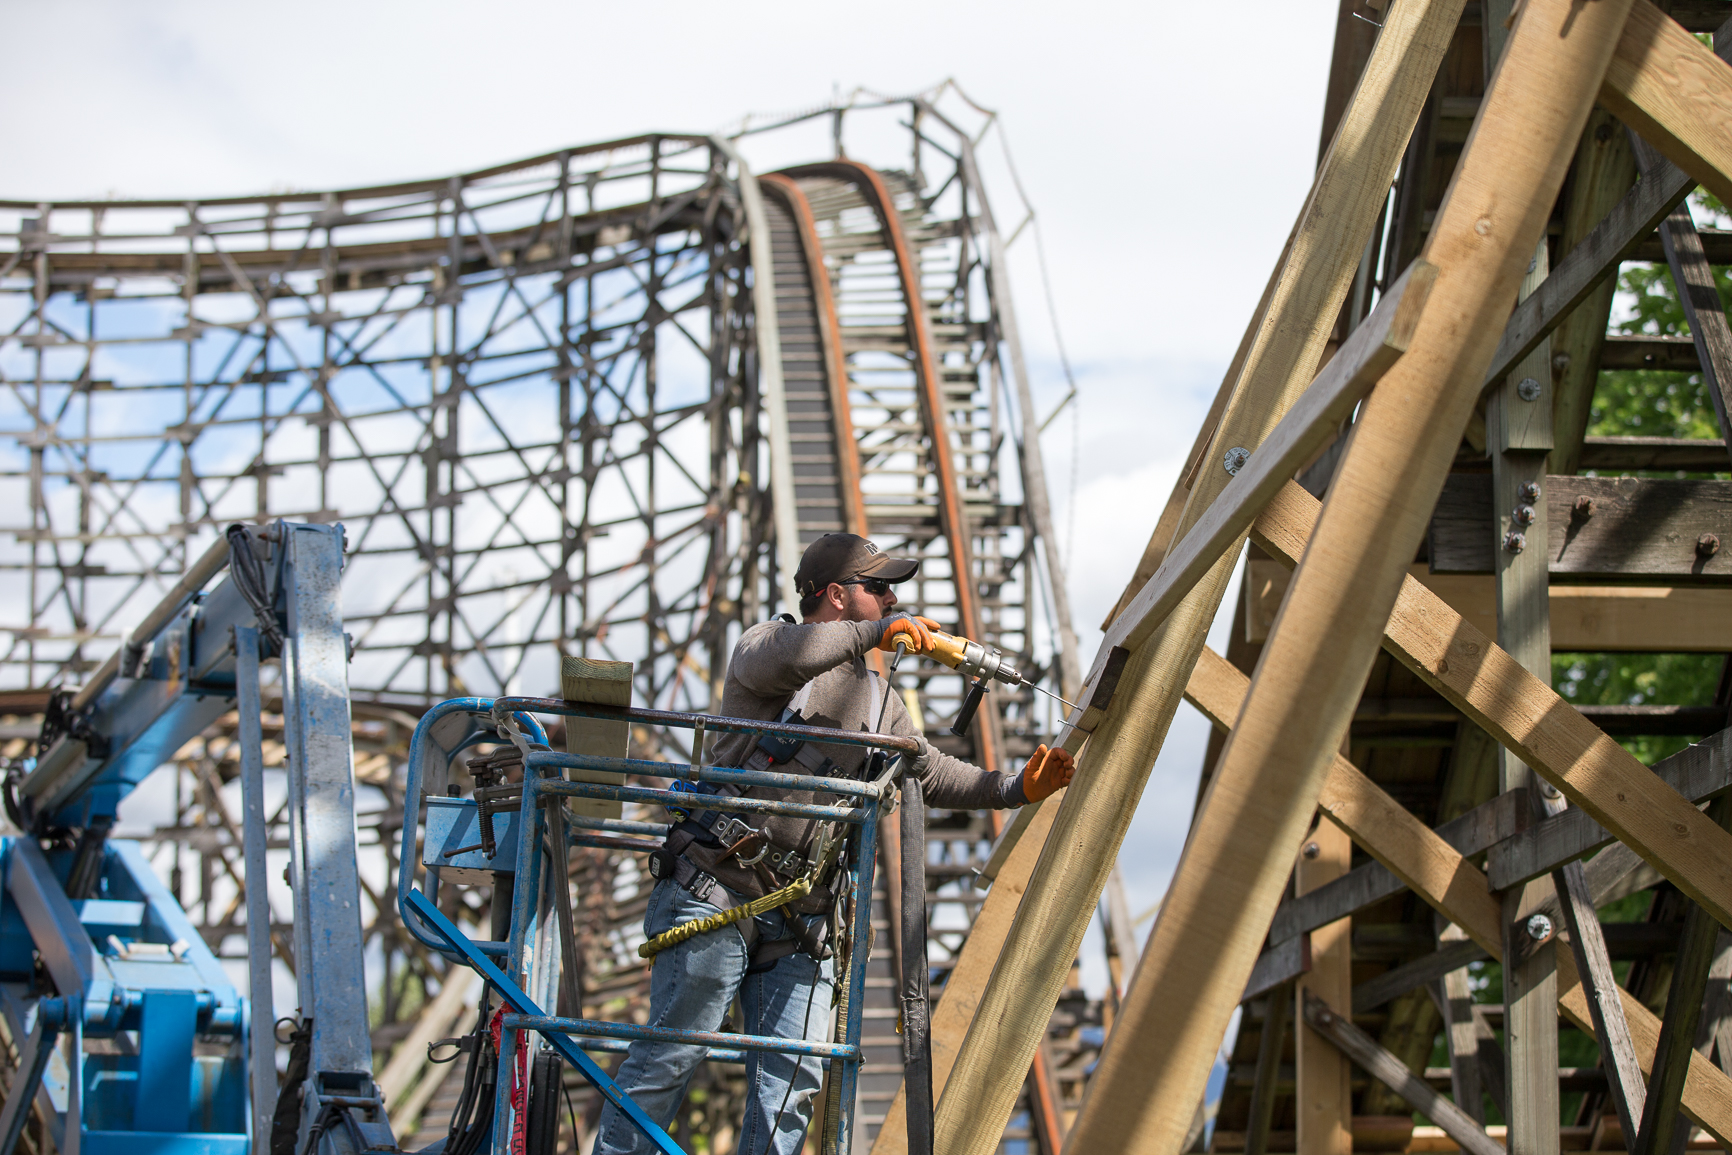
(1515, 542)
(1235, 458)
(1584, 506)
(1529, 492)
(1528, 389)
(1707, 545)
(1539, 927)
(1523, 515)
(1312, 850)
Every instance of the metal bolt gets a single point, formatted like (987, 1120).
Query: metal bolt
(1539, 927)
(1515, 542)
(1707, 545)
(1584, 506)
(1528, 389)
(1235, 459)
(1529, 491)
(1312, 850)
(1523, 515)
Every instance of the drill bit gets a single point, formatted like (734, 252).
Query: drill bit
(1050, 694)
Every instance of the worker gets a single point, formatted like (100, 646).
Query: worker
(783, 968)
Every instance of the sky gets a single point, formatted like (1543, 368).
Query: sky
(1164, 147)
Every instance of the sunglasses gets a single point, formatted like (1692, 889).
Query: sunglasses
(877, 587)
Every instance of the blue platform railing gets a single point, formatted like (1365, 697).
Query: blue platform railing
(460, 723)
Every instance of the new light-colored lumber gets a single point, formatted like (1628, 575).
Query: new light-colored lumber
(1452, 885)
(961, 995)
(1312, 671)
(1375, 345)
(1328, 241)
(1677, 94)
(1531, 720)
(596, 683)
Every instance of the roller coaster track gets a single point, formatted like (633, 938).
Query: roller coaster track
(594, 401)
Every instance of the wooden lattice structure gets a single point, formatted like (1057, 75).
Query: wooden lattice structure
(1400, 807)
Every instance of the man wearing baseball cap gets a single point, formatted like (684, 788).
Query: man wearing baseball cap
(814, 672)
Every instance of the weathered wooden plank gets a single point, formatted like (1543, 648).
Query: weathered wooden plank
(1667, 354)
(1703, 312)
(1393, 1073)
(1411, 975)
(1675, 1053)
(1699, 773)
(1716, 246)
(1323, 1079)
(1696, 455)
(1472, 833)
(1594, 965)
(1528, 718)
(1282, 963)
(1603, 528)
(1261, 1115)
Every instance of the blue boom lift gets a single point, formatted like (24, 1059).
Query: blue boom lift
(131, 1038)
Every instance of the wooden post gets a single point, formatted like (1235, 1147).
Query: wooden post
(1675, 1051)
(1703, 312)
(1461, 1037)
(1312, 671)
(1588, 945)
(1519, 436)
(1325, 1094)
(1278, 1006)
(597, 683)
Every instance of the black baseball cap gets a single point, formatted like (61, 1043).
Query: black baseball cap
(837, 557)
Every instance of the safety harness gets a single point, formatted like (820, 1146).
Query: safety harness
(752, 846)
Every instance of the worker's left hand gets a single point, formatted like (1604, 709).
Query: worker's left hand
(1047, 771)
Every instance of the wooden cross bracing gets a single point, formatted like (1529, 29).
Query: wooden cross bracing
(1352, 595)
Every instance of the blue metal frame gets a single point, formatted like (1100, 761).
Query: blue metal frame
(544, 776)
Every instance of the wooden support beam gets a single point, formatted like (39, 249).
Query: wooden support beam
(1455, 1000)
(1281, 360)
(1324, 1079)
(1393, 1073)
(980, 951)
(1450, 884)
(1397, 981)
(1664, 84)
(1641, 351)
(1646, 619)
(1632, 529)
(1698, 773)
(1703, 312)
(1269, 1047)
(1528, 718)
(1675, 1052)
(1358, 365)
(1312, 670)
(1603, 173)
(1605, 1007)
(1615, 453)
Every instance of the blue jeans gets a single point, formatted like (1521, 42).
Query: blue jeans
(691, 988)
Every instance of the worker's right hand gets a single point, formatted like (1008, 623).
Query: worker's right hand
(913, 632)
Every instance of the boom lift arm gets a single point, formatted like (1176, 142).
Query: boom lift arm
(120, 960)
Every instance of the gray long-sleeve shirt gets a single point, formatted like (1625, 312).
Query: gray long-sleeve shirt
(770, 664)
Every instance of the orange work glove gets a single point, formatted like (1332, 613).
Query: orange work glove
(1047, 771)
(915, 632)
